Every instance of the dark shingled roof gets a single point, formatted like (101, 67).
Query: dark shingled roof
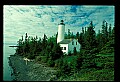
(65, 41)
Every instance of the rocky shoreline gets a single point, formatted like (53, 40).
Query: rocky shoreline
(32, 71)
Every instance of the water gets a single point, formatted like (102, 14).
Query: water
(7, 51)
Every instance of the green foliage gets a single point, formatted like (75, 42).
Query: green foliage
(90, 41)
(50, 63)
(56, 52)
(68, 65)
(74, 51)
(38, 58)
(31, 47)
(59, 62)
(95, 53)
(88, 59)
(81, 40)
(69, 53)
(105, 61)
(30, 56)
(108, 48)
(44, 59)
(109, 65)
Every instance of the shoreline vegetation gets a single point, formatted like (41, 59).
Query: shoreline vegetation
(94, 62)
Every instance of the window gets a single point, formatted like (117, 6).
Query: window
(64, 48)
(76, 43)
(72, 43)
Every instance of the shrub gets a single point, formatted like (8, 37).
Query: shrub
(30, 56)
(44, 59)
(109, 65)
(59, 63)
(65, 67)
(94, 50)
(38, 58)
(50, 63)
(88, 61)
(103, 75)
(69, 53)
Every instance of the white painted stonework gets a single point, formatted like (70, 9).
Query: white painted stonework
(61, 32)
(70, 46)
(67, 45)
(63, 46)
(75, 44)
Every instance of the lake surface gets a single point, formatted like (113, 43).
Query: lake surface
(7, 70)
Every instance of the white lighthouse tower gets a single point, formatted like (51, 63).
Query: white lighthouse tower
(61, 31)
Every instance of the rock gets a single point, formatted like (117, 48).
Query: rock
(11, 74)
(31, 72)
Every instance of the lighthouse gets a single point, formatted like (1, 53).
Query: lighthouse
(61, 31)
(67, 45)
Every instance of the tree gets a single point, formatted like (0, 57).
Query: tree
(56, 52)
(44, 42)
(19, 49)
(77, 35)
(104, 32)
(66, 36)
(113, 33)
(90, 37)
(74, 51)
(83, 30)
(72, 35)
(69, 33)
(99, 40)
(110, 31)
(39, 46)
(90, 44)
(81, 40)
(88, 60)
(26, 37)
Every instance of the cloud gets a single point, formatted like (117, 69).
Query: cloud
(40, 19)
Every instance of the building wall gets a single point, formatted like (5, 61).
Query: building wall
(71, 46)
(61, 32)
(64, 45)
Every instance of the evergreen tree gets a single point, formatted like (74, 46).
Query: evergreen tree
(44, 42)
(19, 49)
(88, 56)
(83, 30)
(77, 35)
(26, 37)
(72, 35)
(104, 32)
(90, 37)
(74, 51)
(56, 52)
(66, 36)
(81, 40)
(69, 33)
(99, 40)
(110, 31)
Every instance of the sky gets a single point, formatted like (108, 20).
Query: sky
(44, 19)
